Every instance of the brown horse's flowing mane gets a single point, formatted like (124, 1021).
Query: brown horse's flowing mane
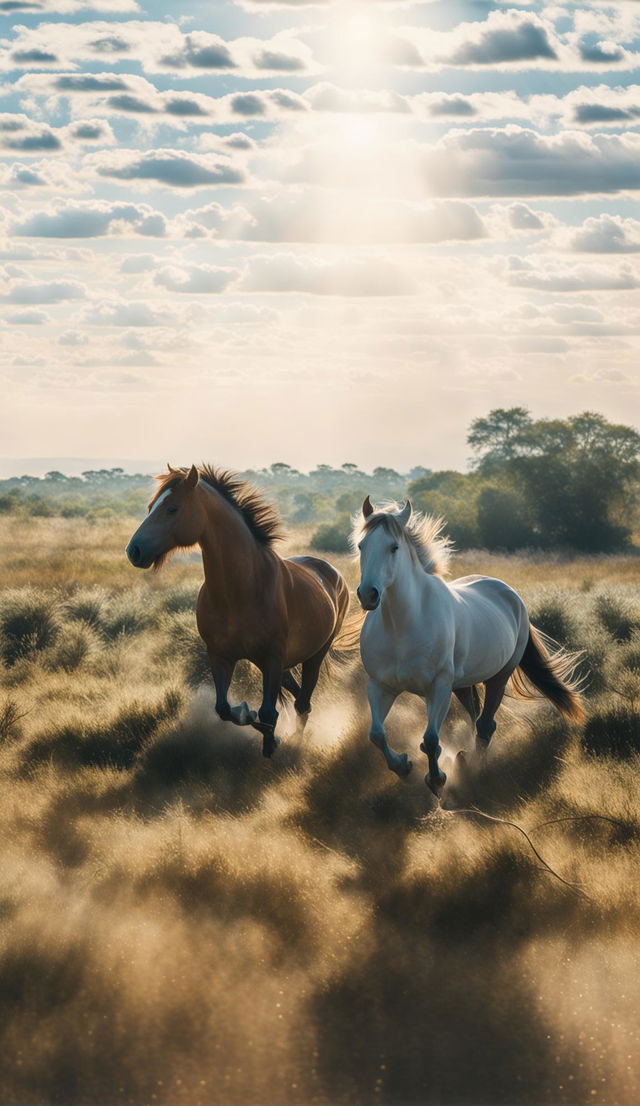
(262, 518)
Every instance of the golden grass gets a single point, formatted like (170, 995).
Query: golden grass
(183, 922)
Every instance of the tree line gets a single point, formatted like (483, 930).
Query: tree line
(563, 484)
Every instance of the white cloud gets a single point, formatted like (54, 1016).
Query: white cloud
(602, 234)
(350, 276)
(90, 219)
(53, 291)
(195, 279)
(157, 47)
(312, 215)
(513, 161)
(166, 167)
(553, 276)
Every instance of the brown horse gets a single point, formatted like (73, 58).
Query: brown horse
(253, 605)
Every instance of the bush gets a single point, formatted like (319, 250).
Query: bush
(129, 614)
(613, 730)
(333, 537)
(73, 646)
(181, 598)
(86, 605)
(28, 625)
(617, 615)
(552, 615)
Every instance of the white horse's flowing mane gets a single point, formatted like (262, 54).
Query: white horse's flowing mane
(422, 532)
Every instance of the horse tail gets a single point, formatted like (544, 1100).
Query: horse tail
(345, 645)
(550, 669)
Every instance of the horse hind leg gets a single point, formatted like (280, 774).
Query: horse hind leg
(494, 692)
(308, 680)
(470, 700)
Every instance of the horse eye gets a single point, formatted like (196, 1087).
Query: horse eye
(394, 548)
(172, 510)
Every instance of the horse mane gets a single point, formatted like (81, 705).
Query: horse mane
(261, 518)
(423, 533)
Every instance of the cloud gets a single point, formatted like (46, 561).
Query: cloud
(18, 132)
(158, 47)
(195, 279)
(29, 318)
(52, 175)
(521, 217)
(605, 234)
(308, 215)
(65, 7)
(170, 168)
(91, 219)
(288, 272)
(52, 291)
(516, 162)
(553, 276)
(506, 38)
(136, 313)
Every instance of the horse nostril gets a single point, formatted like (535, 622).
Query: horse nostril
(358, 593)
(375, 595)
(135, 554)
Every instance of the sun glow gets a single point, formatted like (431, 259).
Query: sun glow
(358, 37)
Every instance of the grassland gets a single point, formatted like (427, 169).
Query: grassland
(183, 922)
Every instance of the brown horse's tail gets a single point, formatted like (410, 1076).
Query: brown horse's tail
(551, 670)
(345, 645)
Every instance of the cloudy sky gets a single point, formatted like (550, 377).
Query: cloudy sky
(251, 230)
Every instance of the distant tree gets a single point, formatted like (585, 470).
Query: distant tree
(498, 437)
(574, 479)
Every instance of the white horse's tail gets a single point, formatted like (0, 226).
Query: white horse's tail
(549, 669)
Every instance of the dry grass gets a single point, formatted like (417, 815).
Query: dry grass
(183, 922)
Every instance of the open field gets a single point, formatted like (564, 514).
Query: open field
(183, 922)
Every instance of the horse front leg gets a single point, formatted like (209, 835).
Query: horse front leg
(272, 673)
(381, 700)
(222, 671)
(438, 706)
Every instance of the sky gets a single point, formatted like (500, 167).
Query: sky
(254, 231)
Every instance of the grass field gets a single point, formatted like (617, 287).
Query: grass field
(184, 922)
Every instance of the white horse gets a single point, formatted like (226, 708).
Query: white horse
(433, 638)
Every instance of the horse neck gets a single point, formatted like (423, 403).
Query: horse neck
(233, 560)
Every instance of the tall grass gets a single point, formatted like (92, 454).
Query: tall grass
(184, 922)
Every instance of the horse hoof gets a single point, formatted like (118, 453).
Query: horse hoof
(269, 746)
(436, 785)
(405, 766)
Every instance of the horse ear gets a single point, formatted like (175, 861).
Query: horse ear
(192, 477)
(404, 515)
(367, 507)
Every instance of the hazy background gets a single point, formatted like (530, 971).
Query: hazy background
(228, 228)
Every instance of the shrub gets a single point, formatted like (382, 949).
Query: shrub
(28, 625)
(86, 605)
(617, 615)
(129, 614)
(183, 642)
(613, 730)
(74, 644)
(333, 537)
(181, 598)
(552, 615)
(10, 720)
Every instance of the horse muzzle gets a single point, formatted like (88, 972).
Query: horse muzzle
(369, 598)
(138, 556)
